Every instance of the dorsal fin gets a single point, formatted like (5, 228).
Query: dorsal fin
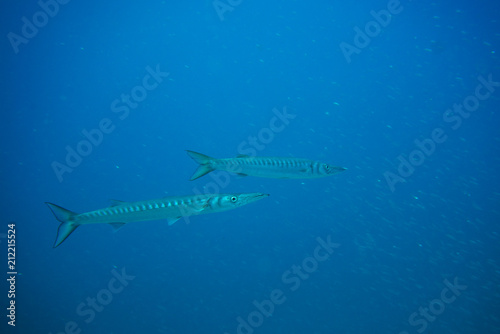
(115, 202)
(242, 156)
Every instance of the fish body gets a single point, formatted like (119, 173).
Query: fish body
(270, 167)
(169, 208)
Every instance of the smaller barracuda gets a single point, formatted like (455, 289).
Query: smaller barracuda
(169, 208)
(272, 167)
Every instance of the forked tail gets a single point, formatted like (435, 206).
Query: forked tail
(67, 225)
(204, 161)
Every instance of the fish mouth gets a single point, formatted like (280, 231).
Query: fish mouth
(338, 170)
(256, 196)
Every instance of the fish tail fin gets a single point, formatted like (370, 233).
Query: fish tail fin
(67, 225)
(204, 161)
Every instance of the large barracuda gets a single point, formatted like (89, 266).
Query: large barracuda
(272, 167)
(169, 208)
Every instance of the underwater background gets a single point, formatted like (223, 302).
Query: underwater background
(100, 100)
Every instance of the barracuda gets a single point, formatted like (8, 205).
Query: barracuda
(169, 208)
(271, 167)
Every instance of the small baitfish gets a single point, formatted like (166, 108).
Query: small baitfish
(169, 208)
(272, 167)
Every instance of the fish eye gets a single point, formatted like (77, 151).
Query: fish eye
(234, 199)
(327, 167)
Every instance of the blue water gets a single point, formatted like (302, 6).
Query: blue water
(419, 256)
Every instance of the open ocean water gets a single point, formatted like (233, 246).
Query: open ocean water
(100, 100)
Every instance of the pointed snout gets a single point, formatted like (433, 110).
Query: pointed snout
(252, 197)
